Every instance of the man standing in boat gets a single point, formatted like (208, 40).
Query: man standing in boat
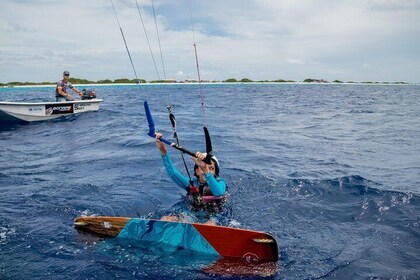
(61, 89)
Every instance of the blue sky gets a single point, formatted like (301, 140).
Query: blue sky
(349, 40)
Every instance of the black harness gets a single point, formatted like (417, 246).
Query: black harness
(201, 198)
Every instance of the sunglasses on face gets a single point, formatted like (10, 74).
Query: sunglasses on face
(66, 75)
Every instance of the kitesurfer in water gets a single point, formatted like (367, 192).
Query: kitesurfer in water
(206, 191)
(61, 89)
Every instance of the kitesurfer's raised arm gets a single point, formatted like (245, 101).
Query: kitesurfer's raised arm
(176, 176)
(206, 174)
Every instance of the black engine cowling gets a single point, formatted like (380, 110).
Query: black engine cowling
(88, 94)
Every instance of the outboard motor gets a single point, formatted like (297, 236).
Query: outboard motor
(88, 94)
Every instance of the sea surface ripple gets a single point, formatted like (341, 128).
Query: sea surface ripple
(333, 171)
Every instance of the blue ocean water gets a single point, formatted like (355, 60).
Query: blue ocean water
(333, 171)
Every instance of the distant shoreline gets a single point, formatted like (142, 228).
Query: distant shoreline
(216, 83)
(126, 82)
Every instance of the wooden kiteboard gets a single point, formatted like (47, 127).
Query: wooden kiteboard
(210, 239)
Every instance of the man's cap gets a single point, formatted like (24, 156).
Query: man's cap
(65, 73)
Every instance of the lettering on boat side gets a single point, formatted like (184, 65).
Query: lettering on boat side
(58, 109)
(78, 106)
(34, 109)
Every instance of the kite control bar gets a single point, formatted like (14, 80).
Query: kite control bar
(152, 133)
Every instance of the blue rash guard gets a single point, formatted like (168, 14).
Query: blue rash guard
(216, 185)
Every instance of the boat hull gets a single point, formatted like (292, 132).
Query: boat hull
(40, 111)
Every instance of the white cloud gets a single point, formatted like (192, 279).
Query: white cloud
(258, 39)
(294, 61)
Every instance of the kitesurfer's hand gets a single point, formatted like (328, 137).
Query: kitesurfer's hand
(200, 156)
(159, 144)
(200, 163)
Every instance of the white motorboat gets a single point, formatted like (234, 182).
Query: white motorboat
(39, 111)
